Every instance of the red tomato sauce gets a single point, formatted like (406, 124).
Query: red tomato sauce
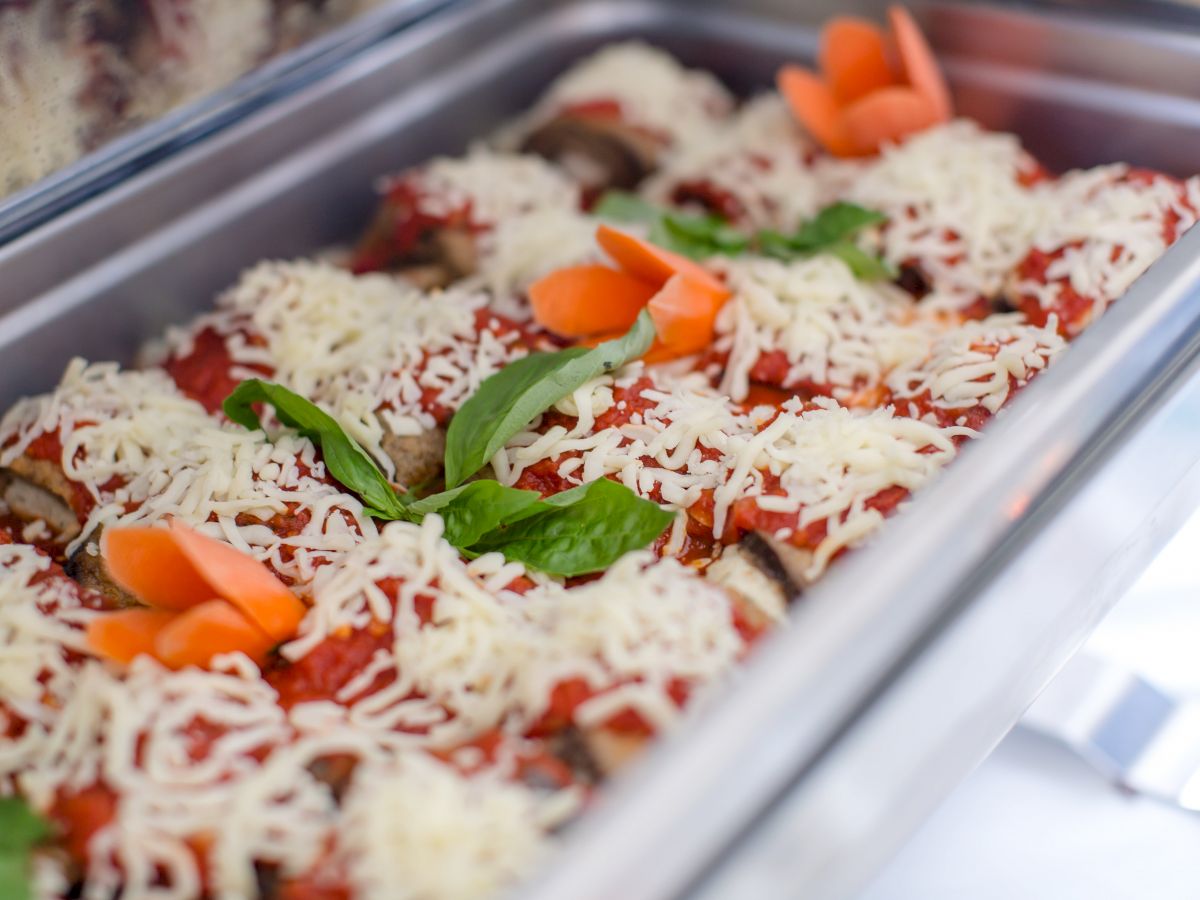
(205, 373)
(403, 223)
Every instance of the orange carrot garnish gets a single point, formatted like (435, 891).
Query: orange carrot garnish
(149, 564)
(853, 57)
(201, 590)
(815, 107)
(887, 116)
(584, 300)
(243, 581)
(861, 100)
(194, 637)
(920, 66)
(648, 262)
(685, 314)
(127, 633)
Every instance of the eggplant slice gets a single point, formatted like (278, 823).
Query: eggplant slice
(440, 257)
(36, 489)
(91, 572)
(782, 563)
(600, 154)
(417, 457)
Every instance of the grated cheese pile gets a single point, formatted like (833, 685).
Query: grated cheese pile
(372, 351)
(760, 159)
(956, 206)
(525, 213)
(168, 458)
(42, 127)
(494, 186)
(979, 363)
(1108, 226)
(490, 657)
(41, 626)
(210, 757)
(473, 837)
(828, 460)
(837, 334)
(655, 93)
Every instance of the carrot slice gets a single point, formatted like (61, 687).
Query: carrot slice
(582, 300)
(685, 314)
(888, 115)
(652, 264)
(243, 581)
(126, 633)
(148, 563)
(814, 106)
(194, 637)
(920, 66)
(853, 58)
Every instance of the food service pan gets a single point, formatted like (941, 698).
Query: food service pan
(916, 654)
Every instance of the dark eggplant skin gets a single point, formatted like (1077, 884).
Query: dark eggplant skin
(601, 154)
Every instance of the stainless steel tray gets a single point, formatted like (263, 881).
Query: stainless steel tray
(133, 151)
(916, 654)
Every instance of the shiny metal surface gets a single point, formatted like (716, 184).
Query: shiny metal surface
(906, 665)
(1133, 732)
(137, 149)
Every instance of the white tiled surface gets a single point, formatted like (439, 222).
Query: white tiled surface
(1036, 823)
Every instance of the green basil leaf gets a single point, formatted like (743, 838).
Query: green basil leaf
(580, 531)
(865, 266)
(830, 232)
(349, 463)
(472, 510)
(521, 391)
(622, 206)
(699, 237)
(834, 223)
(21, 829)
(776, 245)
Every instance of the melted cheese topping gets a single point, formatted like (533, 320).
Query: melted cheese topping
(521, 249)
(760, 159)
(829, 460)
(369, 349)
(834, 329)
(979, 363)
(956, 206)
(495, 186)
(491, 657)
(1107, 230)
(654, 91)
(471, 838)
(211, 757)
(145, 453)
(41, 625)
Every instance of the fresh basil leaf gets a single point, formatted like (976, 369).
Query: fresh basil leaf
(698, 237)
(834, 223)
(349, 463)
(776, 245)
(472, 510)
(517, 394)
(21, 829)
(622, 206)
(583, 530)
(830, 232)
(865, 266)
